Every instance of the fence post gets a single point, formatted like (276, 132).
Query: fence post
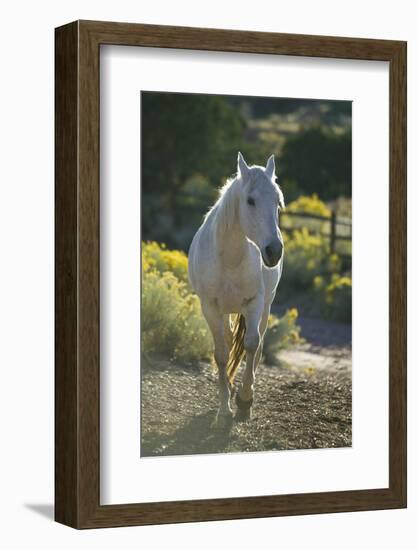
(333, 232)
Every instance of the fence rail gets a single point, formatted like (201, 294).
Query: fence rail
(332, 234)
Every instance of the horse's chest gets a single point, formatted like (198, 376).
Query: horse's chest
(233, 295)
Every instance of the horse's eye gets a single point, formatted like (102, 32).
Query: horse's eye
(251, 201)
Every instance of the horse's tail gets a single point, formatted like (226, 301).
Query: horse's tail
(238, 348)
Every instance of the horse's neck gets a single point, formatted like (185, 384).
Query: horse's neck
(231, 242)
(233, 247)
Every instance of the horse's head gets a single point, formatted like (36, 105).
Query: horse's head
(259, 205)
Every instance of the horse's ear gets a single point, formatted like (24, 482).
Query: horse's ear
(242, 167)
(270, 167)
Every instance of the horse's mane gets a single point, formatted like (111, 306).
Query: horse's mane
(223, 211)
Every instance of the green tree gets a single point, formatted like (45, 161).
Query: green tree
(319, 161)
(184, 135)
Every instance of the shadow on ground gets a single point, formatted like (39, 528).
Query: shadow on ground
(197, 436)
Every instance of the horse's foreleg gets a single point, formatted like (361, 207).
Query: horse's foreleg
(256, 324)
(227, 331)
(216, 323)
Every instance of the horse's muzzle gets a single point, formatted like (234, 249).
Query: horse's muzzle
(272, 253)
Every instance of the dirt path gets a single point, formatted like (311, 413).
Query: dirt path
(304, 403)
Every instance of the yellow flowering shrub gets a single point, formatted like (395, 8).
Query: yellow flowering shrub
(172, 322)
(156, 256)
(281, 333)
(307, 255)
(309, 205)
(335, 297)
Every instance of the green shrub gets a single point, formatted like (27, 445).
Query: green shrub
(335, 297)
(281, 333)
(306, 256)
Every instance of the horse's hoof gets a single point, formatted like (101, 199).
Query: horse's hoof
(243, 409)
(222, 422)
(242, 415)
(242, 404)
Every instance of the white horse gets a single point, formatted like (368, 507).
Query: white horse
(235, 264)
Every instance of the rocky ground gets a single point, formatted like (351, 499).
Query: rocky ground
(303, 402)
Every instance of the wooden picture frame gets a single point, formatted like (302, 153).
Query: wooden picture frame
(77, 373)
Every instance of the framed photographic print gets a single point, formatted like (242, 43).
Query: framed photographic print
(230, 274)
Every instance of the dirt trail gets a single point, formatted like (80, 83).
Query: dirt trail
(303, 403)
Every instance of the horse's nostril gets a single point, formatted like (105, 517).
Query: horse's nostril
(273, 252)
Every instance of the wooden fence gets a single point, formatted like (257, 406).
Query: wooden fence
(327, 228)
